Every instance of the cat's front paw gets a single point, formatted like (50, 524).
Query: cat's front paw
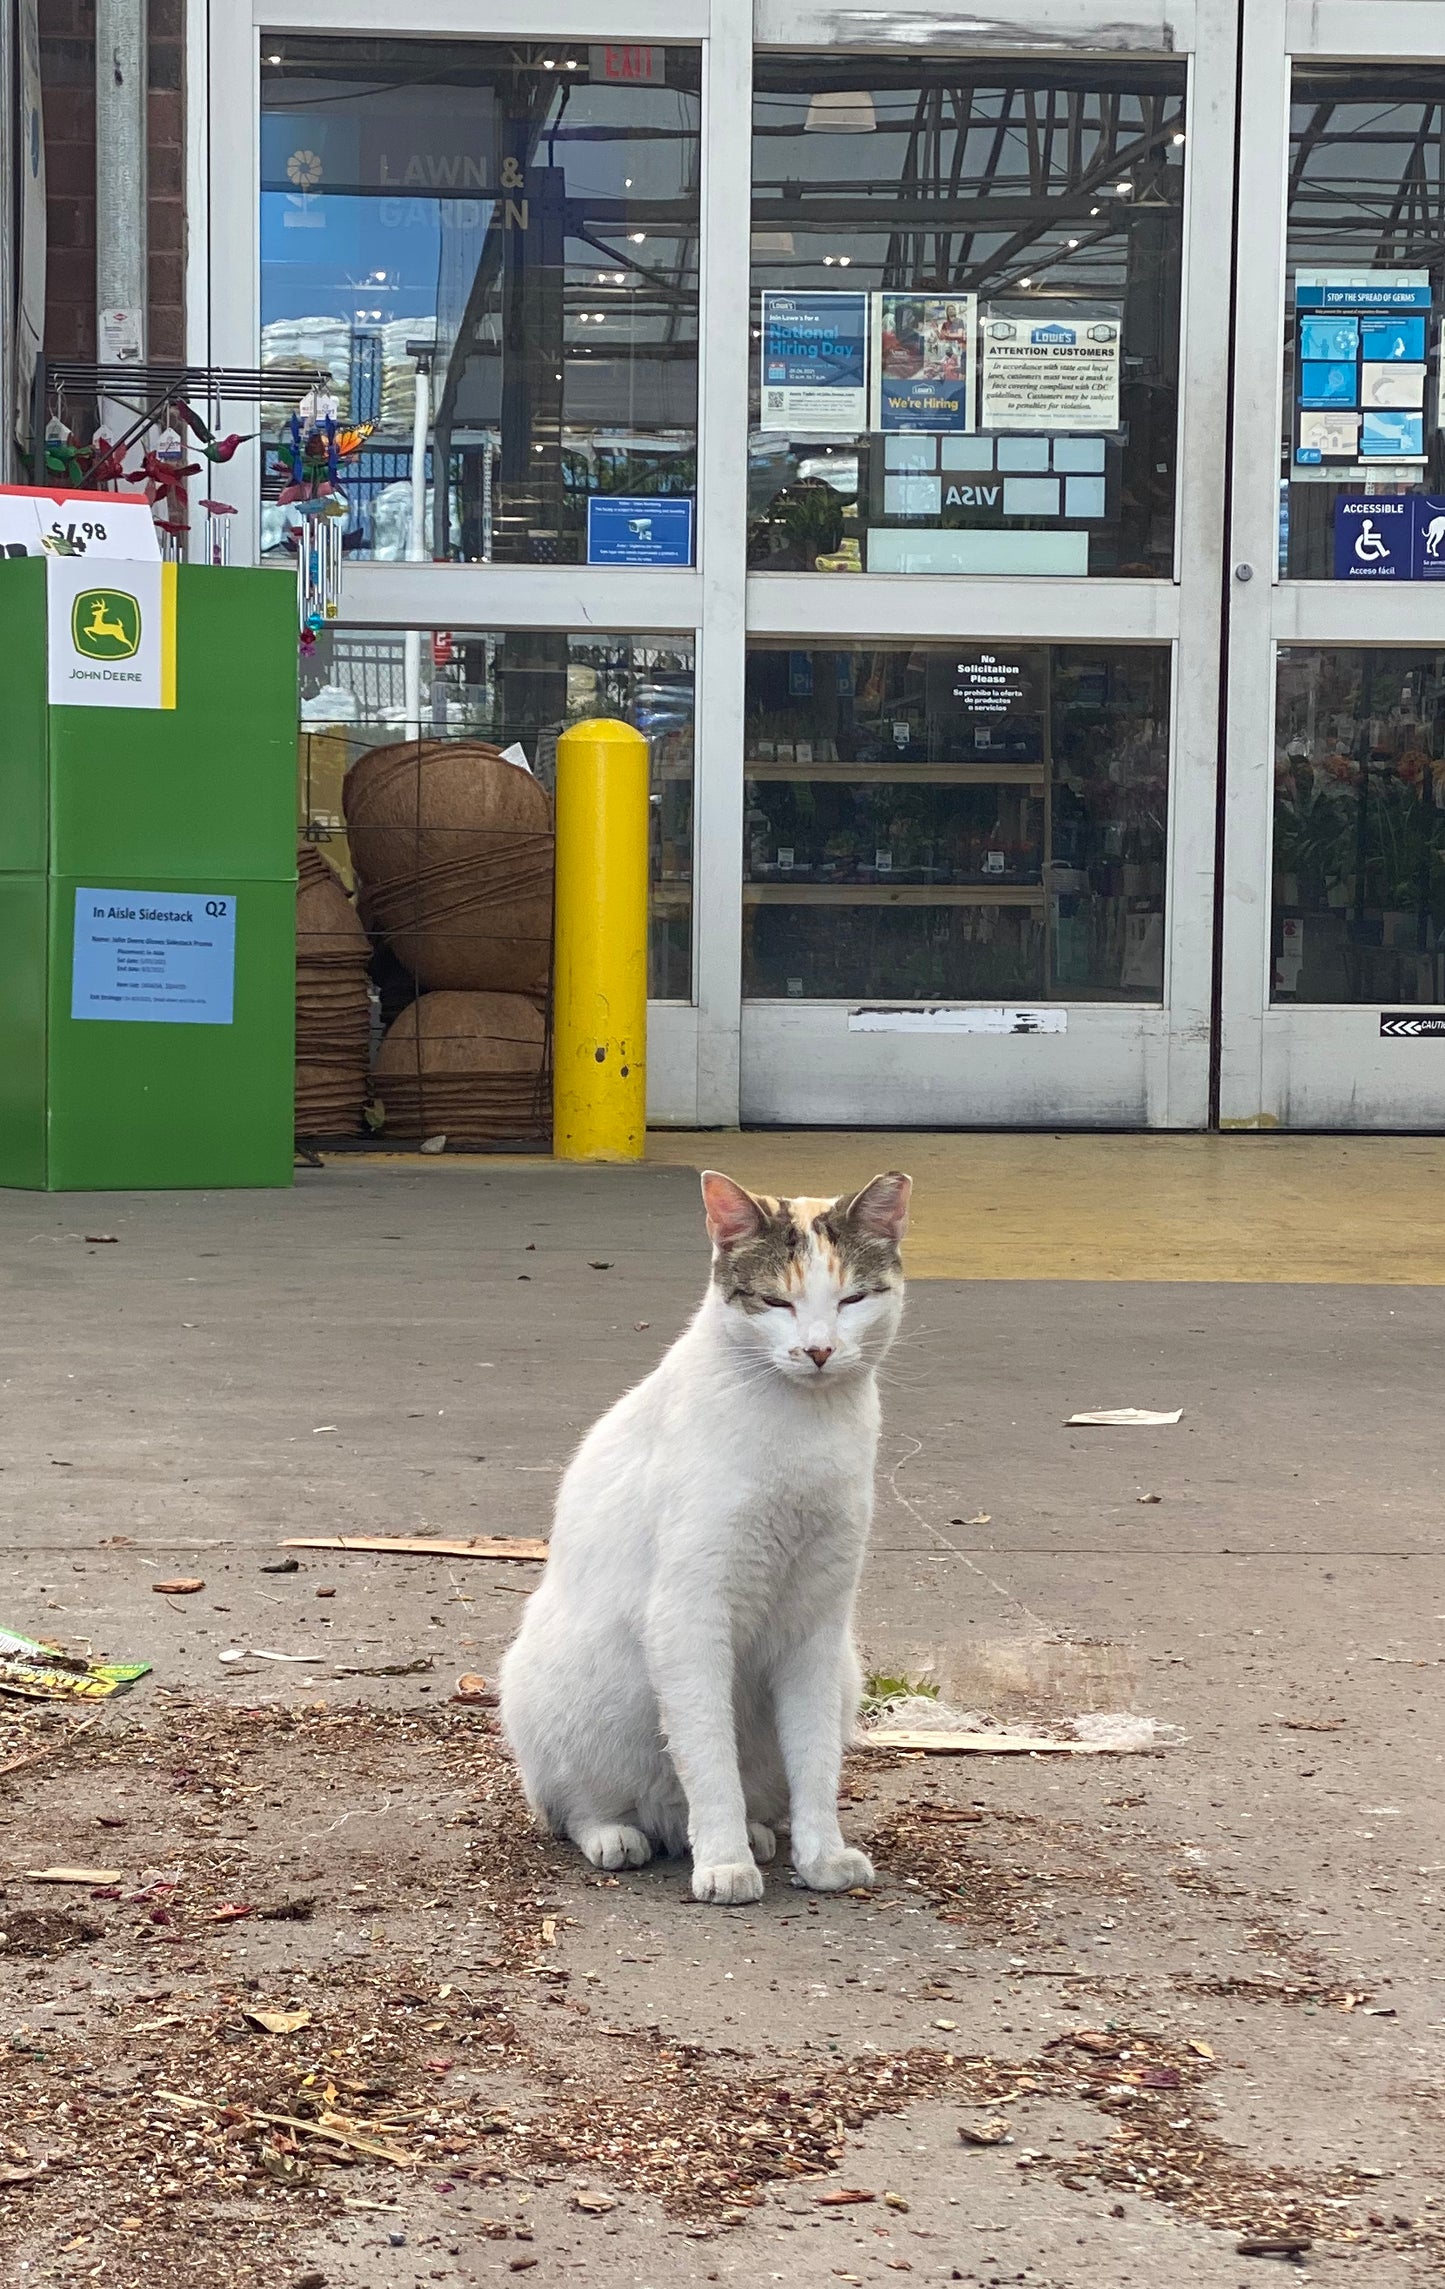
(730, 1883)
(615, 1844)
(837, 1871)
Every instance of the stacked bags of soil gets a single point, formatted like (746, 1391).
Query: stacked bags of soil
(333, 1009)
(466, 1066)
(452, 847)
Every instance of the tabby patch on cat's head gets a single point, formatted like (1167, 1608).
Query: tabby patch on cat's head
(770, 1253)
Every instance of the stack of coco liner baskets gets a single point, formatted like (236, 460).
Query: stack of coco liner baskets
(466, 1066)
(453, 851)
(333, 1008)
(452, 848)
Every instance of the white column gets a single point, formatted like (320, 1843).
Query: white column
(1199, 545)
(722, 557)
(121, 237)
(1253, 564)
(223, 88)
(416, 543)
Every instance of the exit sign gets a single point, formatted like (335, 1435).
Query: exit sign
(630, 67)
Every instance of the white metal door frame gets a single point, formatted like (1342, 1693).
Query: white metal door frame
(1119, 1064)
(693, 1045)
(1321, 1065)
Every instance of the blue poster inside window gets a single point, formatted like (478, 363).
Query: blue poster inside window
(815, 364)
(623, 529)
(1389, 536)
(1360, 369)
(1392, 339)
(923, 361)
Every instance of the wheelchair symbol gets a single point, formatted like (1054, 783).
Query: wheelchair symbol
(1371, 546)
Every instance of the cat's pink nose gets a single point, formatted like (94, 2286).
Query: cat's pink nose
(820, 1353)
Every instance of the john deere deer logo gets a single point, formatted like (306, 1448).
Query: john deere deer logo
(105, 624)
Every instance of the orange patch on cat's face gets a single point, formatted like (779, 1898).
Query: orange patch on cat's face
(809, 1216)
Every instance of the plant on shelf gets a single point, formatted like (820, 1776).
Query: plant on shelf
(811, 517)
(1314, 829)
(1402, 859)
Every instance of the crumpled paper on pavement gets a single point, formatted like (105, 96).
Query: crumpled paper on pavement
(1115, 1418)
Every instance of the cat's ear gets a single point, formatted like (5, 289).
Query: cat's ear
(732, 1214)
(881, 1208)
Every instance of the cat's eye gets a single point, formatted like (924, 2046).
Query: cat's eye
(860, 1297)
(776, 1303)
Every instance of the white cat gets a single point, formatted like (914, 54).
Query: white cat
(685, 1674)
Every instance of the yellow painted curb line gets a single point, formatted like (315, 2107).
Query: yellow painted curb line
(1358, 1211)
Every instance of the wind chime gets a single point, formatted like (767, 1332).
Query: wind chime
(216, 544)
(164, 472)
(167, 470)
(216, 540)
(313, 447)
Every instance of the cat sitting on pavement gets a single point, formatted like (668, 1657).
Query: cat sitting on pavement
(685, 1676)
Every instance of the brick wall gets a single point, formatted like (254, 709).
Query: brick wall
(67, 72)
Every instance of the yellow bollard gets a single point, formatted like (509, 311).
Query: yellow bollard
(599, 979)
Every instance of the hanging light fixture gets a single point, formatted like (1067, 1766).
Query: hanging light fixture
(841, 111)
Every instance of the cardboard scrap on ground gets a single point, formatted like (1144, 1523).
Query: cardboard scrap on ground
(74, 1875)
(1114, 1418)
(978, 1744)
(44, 1673)
(517, 1546)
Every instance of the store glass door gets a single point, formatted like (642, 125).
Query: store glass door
(1333, 993)
(989, 304)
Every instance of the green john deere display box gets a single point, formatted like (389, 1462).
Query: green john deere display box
(147, 876)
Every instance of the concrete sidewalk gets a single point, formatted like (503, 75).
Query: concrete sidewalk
(1245, 1923)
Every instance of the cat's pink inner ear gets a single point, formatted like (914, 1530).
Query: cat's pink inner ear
(732, 1214)
(882, 1206)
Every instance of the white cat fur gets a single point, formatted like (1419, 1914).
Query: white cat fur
(685, 1673)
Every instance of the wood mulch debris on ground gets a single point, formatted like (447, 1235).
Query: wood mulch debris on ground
(276, 2014)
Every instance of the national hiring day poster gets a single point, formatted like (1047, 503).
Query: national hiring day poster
(923, 356)
(815, 364)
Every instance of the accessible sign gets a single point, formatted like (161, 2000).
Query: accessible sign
(1389, 536)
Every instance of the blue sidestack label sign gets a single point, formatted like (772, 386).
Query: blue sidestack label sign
(154, 957)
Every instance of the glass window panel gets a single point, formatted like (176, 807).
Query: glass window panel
(508, 214)
(1363, 287)
(524, 688)
(1359, 825)
(956, 822)
(999, 247)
